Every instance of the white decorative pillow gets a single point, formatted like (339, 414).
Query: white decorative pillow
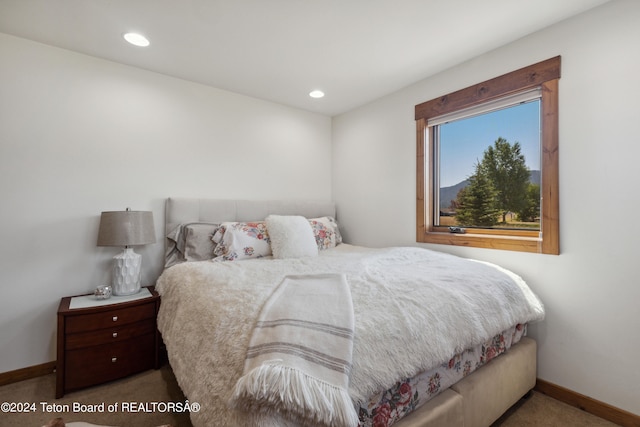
(326, 232)
(291, 236)
(241, 240)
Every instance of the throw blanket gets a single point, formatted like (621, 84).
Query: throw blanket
(299, 356)
(413, 308)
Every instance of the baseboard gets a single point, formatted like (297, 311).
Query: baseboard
(27, 373)
(587, 404)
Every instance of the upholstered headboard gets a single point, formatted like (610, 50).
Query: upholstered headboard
(179, 211)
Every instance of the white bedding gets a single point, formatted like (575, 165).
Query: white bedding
(407, 304)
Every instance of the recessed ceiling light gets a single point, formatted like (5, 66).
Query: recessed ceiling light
(136, 39)
(316, 94)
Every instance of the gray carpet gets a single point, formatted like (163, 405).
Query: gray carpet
(141, 392)
(151, 386)
(540, 410)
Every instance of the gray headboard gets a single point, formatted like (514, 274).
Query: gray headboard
(189, 210)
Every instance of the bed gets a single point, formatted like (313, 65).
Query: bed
(434, 340)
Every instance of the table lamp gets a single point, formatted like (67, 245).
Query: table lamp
(126, 228)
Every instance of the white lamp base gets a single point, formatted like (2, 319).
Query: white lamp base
(126, 273)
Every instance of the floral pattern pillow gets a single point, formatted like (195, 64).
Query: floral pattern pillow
(326, 232)
(241, 240)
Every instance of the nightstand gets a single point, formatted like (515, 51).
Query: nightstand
(103, 340)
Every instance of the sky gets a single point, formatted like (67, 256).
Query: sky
(463, 142)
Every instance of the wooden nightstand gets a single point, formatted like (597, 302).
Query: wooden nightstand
(100, 341)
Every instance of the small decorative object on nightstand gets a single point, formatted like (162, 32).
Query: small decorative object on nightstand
(102, 292)
(103, 340)
(126, 228)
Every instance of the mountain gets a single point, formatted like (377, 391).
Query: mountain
(447, 194)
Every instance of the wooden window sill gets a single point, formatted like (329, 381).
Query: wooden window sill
(476, 240)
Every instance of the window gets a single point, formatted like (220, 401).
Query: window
(487, 163)
(487, 171)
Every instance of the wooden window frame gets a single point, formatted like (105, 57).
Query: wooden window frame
(546, 75)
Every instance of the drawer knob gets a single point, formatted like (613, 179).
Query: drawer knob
(114, 359)
(115, 334)
(115, 318)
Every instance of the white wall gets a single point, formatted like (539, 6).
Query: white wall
(589, 341)
(79, 135)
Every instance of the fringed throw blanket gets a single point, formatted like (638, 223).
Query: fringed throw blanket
(299, 355)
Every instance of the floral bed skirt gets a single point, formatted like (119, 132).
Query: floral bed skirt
(389, 406)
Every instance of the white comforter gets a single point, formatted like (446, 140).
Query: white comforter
(414, 308)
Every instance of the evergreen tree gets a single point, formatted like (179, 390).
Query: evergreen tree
(477, 201)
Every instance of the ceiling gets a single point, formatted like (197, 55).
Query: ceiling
(280, 50)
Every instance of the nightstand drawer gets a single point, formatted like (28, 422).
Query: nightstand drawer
(109, 335)
(98, 364)
(106, 319)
